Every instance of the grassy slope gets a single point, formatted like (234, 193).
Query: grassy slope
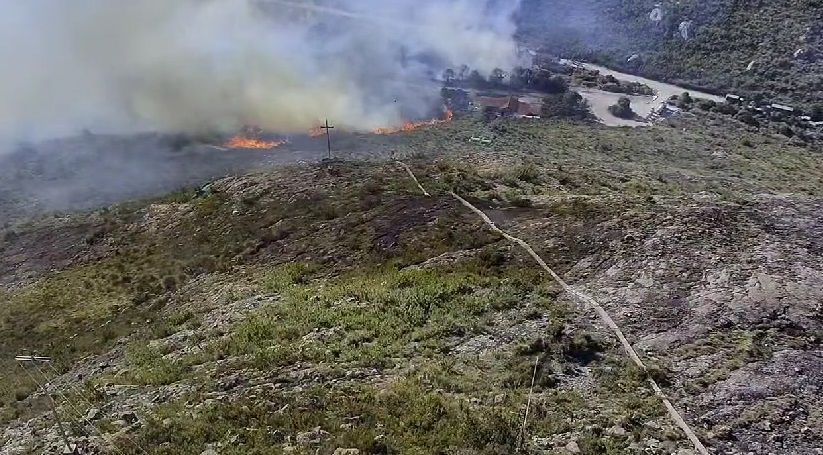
(347, 302)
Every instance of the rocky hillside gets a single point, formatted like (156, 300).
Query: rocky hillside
(772, 49)
(333, 308)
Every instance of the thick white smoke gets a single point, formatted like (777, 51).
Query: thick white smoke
(188, 65)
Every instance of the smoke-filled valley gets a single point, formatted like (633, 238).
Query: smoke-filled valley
(193, 65)
(167, 76)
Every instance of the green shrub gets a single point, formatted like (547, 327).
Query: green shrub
(623, 109)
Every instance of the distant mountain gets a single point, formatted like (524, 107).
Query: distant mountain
(772, 49)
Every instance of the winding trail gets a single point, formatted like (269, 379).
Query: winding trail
(589, 302)
(417, 182)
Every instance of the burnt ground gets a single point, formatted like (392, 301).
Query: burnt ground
(94, 171)
(727, 297)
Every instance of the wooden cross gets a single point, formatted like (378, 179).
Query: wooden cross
(328, 128)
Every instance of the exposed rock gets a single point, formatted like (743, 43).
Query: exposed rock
(685, 29)
(572, 447)
(804, 53)
(93, 414)
(342, 451)
(315, 436)
(617, 430)
(499, 399)
(656, 15)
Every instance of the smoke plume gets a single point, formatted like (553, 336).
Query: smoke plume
(196, 65)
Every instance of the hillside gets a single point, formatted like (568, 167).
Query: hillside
(772, 49)
(332, 308)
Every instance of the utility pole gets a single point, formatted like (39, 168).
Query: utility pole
(35, 360)
(328, 128)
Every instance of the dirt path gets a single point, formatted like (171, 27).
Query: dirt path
(590, 303)
(663, 89)
(600, 100)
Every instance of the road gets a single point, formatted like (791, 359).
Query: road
(643, 105)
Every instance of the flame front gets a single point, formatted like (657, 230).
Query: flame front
(242, 142)
(412, 126)
(249, 139)
(317, 131)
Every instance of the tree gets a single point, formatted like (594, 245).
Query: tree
(568, 105)
(448, 75)
(490, 113)
(456, 99)
(520, 77)
(747, 118)
(727, 108)
(475, 79)
(623, 108)
(549, 83)
(463, 73)
(497, 76)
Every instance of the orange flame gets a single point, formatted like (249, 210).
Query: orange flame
(317, 131)
(242, 142)
(412, 126)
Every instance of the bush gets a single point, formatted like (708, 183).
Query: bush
(747, 118)
(546, 82)
(491, 257)
(520, 201)
(786, 130)
(727, 109)
(528, 173)
(623, 108)
(567, 105)
(9, 236)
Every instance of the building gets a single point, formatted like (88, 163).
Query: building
(781, 108)
(667, 110)
(508, 106)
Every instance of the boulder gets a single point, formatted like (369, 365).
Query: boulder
(315, 436)
(572, 447)
(93, 414)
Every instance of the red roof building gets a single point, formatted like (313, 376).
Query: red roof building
(509, 106)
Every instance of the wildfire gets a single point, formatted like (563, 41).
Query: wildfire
(241, 142)
(317, 131)
(249, 139)
(412, 126)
